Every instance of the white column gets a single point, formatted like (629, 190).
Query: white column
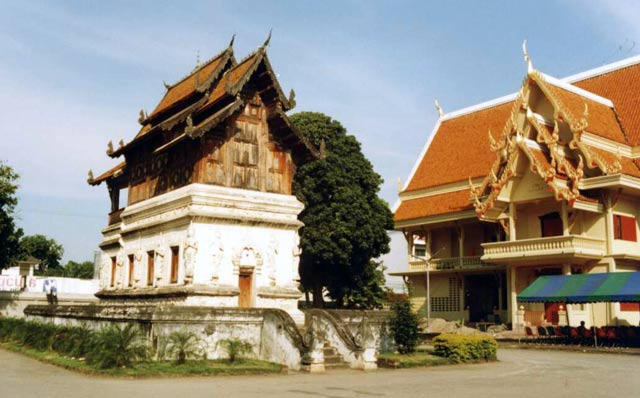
(565, 219)
(608, 222)
(512, 221)
(512, 304)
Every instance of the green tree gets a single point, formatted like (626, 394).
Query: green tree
(83, 270)
(47, 250)
(9, 234)
(345, 220)
(404, 327)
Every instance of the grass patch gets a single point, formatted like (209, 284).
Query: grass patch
(154, 368)
(417, 359)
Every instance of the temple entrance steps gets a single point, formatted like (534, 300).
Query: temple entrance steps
(332, 359)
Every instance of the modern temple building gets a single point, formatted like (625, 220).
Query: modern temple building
(545, 181)
(209, 218)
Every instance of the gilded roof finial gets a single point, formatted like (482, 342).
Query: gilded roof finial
(527, 58)
(439, 108)
(266, 42)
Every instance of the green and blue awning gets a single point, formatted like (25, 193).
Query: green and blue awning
(584, 288)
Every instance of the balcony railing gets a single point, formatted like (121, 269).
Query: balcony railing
(570, 246)
(445, 264)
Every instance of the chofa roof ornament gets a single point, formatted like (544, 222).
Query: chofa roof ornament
(527, 58)
(439, 108)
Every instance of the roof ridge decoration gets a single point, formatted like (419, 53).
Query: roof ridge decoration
(205, 63)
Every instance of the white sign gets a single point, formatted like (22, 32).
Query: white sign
(14, 283)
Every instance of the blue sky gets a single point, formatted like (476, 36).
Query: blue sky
(73, 75)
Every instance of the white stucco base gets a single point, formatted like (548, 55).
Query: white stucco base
(218, 234)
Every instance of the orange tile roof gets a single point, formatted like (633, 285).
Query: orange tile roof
(465, 137)
(622, 87)
(187, 86)
(601, 119)
(232, 77)
(434, 205)
(460, 148)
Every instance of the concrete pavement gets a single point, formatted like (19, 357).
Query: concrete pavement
(520, 373)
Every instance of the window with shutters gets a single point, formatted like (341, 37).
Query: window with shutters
(624, 228)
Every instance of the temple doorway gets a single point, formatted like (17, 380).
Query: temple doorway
(482, 296)
(245, 284)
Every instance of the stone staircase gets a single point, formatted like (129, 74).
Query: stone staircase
(332, 359)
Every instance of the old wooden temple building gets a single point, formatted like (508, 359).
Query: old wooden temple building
(545, 181)
(209, 218)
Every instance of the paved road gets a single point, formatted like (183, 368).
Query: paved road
(519, 374)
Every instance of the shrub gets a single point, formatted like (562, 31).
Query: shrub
(74, 341)
(465, 347)
(117, 346)
(183, 345)
(404, 327)
(235, 348)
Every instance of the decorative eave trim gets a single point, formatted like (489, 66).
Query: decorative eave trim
(279, 113)
(594, 207)
(608, 145)
(611, 181)
(481, 106)
(213, 120)
(440, 218)
(438, 190)
(576, 90)
(601, 70)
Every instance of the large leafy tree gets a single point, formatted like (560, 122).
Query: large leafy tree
(9, 234)
(83, 270)
(48, 251)
(345, 220)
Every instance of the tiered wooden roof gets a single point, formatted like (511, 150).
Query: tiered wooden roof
(205, 98)
(604, 103)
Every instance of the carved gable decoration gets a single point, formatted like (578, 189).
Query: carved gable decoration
(544, 133)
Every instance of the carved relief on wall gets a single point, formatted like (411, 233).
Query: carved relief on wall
(190, 252)
(161, 254)
(137, 266)
(247, 258)
(217, 255)
(120, 270)
(272, 261)
(105, 266)
(296, 252)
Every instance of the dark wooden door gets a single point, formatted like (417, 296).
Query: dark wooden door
(244, 284)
